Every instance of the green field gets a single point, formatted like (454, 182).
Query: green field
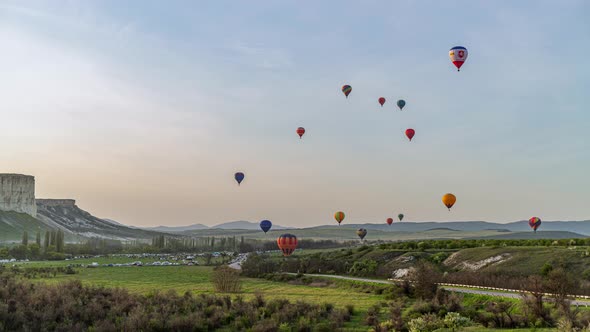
(196, 279)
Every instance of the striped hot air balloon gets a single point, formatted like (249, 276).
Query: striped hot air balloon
(346, 89)
(287, 243)
(534, 223)
(339, 216)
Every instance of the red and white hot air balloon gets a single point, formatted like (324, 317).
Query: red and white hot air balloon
(458, 55)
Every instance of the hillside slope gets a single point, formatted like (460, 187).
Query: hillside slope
(556, 235)
(66, 215)
(13, 224)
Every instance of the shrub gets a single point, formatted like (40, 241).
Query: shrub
(426, 323)
(547, 267)
(372, 318)
(226, 280)
(363, 268)
(425, 277)
(27, 306)
(350, 309)
(454, 321)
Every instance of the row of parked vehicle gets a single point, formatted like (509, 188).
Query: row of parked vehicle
(139, 263)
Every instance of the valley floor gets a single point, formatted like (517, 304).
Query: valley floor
(197, 280)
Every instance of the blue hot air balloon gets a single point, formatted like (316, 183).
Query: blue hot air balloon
(265, 225)
(239, 177)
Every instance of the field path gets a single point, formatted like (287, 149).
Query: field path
(514, 295)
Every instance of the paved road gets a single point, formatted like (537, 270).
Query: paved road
(448, 288)
(375, 281)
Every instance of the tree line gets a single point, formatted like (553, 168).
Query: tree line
(49, 246)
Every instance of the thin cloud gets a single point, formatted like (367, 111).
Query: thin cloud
(261, 57)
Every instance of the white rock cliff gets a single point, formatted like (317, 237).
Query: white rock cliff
(17, 193)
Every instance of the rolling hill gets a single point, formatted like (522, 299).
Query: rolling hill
(580, 227)
(13, 224)
(557, 235)
(178, 229)
(232, 225)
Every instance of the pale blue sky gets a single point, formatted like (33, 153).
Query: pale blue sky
(143, 110)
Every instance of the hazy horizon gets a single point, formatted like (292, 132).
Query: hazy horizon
(142, 114)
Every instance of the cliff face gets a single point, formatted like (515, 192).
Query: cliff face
(56, 202)
(19, 211)
(17, 193)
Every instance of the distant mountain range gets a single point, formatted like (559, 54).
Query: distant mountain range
(232, 225)
(580, 227)
(78, 224)
(532, 235)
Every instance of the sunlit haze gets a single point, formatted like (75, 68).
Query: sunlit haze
(143, 111)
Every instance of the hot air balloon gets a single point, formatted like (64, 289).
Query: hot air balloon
(346, 89)
(287, 243)
(300, 132)
(239, 176)
(410, 133)
(458, 55)
(339, 216)
(534, 222)
(401, 103)
(361, 232)
(381, 101)
(265, 225)
(400, 216)
(449, 200)
(389, 221)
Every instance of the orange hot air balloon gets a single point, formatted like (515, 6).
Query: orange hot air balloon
(449, 200)
(389, 221)
(300, 132)
(339, 216)
(287, 243)
(410, 133)
(381, 101)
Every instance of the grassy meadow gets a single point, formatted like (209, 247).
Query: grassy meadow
(196, 279)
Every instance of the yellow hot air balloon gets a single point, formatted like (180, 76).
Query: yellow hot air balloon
(449, 200)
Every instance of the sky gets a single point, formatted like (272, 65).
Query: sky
(142, 111)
